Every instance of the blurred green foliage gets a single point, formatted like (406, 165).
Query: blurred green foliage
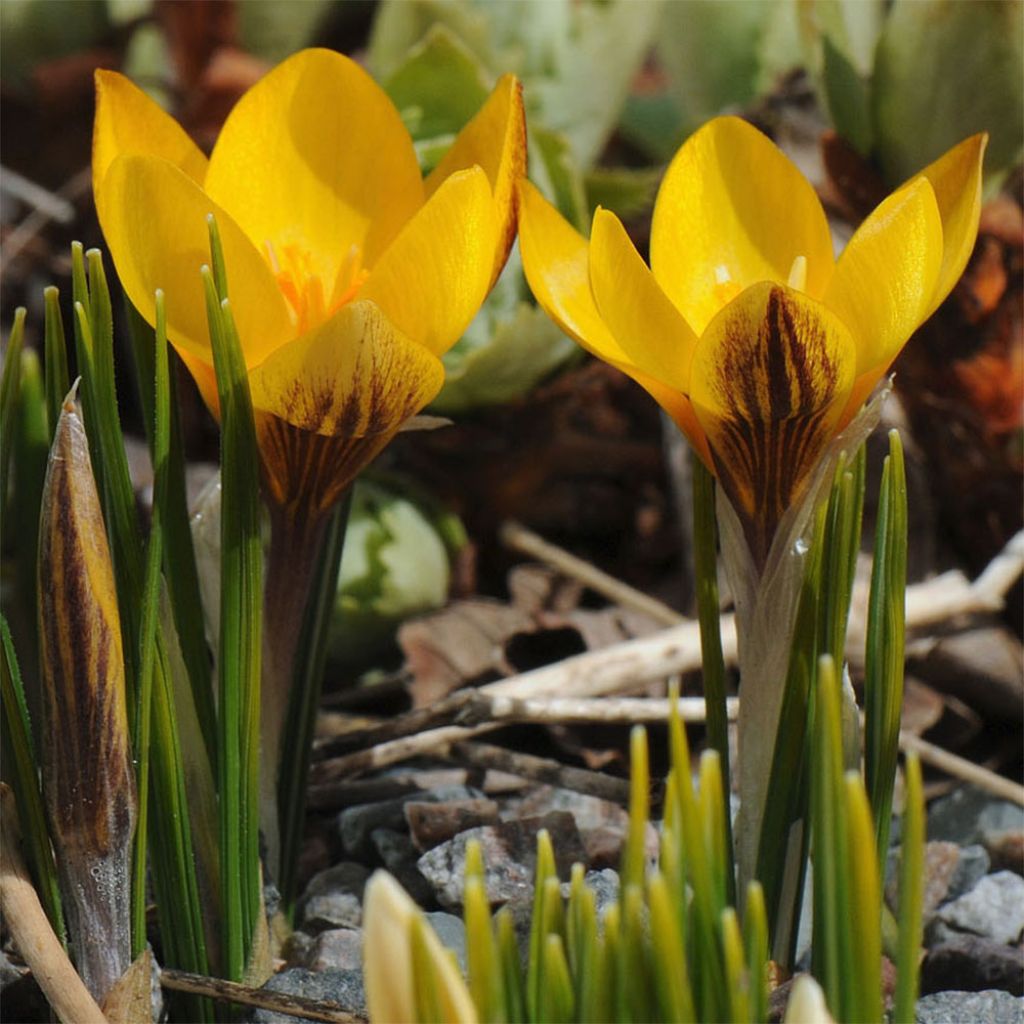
(396, 563)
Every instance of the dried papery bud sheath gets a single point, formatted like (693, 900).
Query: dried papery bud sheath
(88, 780)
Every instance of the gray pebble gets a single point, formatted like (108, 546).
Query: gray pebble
(333, 898)
(356, 824)
(345, 988)
(993, 909)
(990, 1007)
(451, 930)
(971, 868)
(510, 856)
(973, 964)
(337, 948)
(399, 855)
(970, 815)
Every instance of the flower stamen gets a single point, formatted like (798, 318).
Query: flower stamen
(303, 287)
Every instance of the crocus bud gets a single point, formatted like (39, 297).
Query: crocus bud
(389, 968)
(88, 780)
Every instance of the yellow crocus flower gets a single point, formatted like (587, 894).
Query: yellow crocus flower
(753, 338)
(349, 274)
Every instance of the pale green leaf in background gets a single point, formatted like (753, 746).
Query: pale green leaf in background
(510, 346)
(711, 54)
(576, 60)
(439, 87)
(555, 173)
(583, 96)
(401, 24)
(274, 30)
(626, 191)
(944, 70)
(839, 40)
(848, 97)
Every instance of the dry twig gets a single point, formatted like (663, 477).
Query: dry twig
(635, 663)
(543, 770)
(243, 995)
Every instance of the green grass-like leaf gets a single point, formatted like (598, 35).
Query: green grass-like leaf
(833, 956)
(241, 614)
(884, 652)
(10, 386)
(55, 358)
(179, 564)
(148, 626)
(19, 752)
(634, 860)
(705, 558)
(31, 447)
(782, 850)
(863, 911)
(171, 845)
(911, 920)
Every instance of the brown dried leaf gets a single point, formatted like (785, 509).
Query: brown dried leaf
(130, 1001)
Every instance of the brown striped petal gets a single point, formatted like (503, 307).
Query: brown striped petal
(327, 403)
(88, 780)
(770, 378)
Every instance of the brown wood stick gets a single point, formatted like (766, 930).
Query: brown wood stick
(39, 947)
(542, 769)
(961, 768)
(243, 995)
(516, 536)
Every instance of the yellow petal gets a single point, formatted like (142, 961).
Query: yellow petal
(495, 139)
(205, 377)
(154, 220)
(732, 211)
(556, 264)
(770, 379)
(433, 278)
(884, 280)
(128, 121)
(354, 375)
(643, 320)
(328, 402)
(956, 179)
(316, 155)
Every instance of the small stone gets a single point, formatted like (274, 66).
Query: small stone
(940, 866)
(993, 909)
(333, 898)
(510, 856)
(603, 825)
(451, 930)
(970, 1008)
(434, 823)
(970, 815)
(399, 855)
(1007, 852)
(605, 884)
(343, 988)
(972, 964)
(297, 946)
(971, 868)
(336, 948)
(355, 824)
